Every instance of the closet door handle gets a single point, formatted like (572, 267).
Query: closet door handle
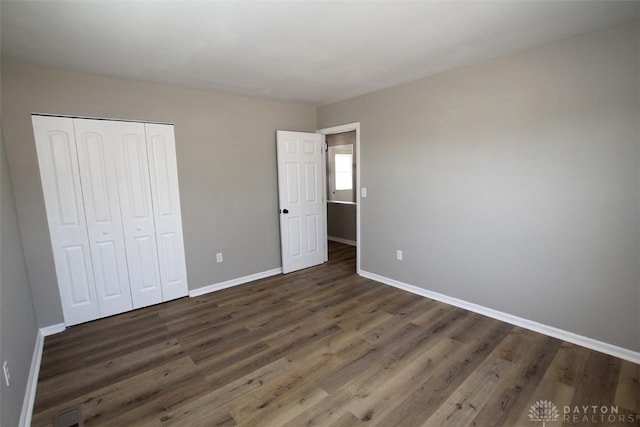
(105, 232)
(139, 228)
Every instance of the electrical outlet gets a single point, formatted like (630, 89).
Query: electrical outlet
(7, 375)
(399, 255)
(219, 257)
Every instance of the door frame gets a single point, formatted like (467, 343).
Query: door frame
(340, 129)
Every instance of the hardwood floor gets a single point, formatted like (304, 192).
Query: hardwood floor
(323, 347)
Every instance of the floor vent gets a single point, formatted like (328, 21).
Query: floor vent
(70, 418)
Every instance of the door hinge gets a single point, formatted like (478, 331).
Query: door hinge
(326, 147)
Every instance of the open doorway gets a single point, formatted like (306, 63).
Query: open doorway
(342, 184)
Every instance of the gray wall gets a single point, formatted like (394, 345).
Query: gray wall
(226, 167)
(18, 328)
(513, 184)
(341, 220)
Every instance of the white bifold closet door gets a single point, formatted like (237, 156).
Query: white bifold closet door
(163, 170)
(96, 161)
(113, 207)
(137, 213)
(58, 159)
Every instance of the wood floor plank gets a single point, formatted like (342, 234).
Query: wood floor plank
(211, 406)
(274, 352)
(310, 367)
(346, 420)
(84, 380)
(514, 396)
(370, 397)
(463, 404)
(278, 409)
(326, 412)
(397, 346)
(321, 347)
(598, 382)
(128, 394)
(551, 388)
(628, 389)
(416, 408)
(446, 326)
(362, 321)
(432, 314)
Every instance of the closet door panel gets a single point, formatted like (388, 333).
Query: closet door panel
(58, 161)
(137, 213)
(77, 273)
(166, 203)
(146, 271)
(97, 165)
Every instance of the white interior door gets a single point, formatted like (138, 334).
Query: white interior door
(137, 213)
(57, 157)
(303, 236)
(165, 194)
(97, 166)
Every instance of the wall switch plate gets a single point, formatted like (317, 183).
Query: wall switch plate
(7, 375)
(399, 255)
(219, 257)
(363, 192)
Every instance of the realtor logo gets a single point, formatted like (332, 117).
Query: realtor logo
(543, 410)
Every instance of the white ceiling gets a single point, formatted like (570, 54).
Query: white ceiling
(315, 52)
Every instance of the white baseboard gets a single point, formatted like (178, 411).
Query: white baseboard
(32, 382)
(234, 282)
(341, 240)
(603, 347)
(34, 371)
(53, 329)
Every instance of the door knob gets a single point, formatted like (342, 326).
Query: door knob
(139, 228)
(285, 211)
